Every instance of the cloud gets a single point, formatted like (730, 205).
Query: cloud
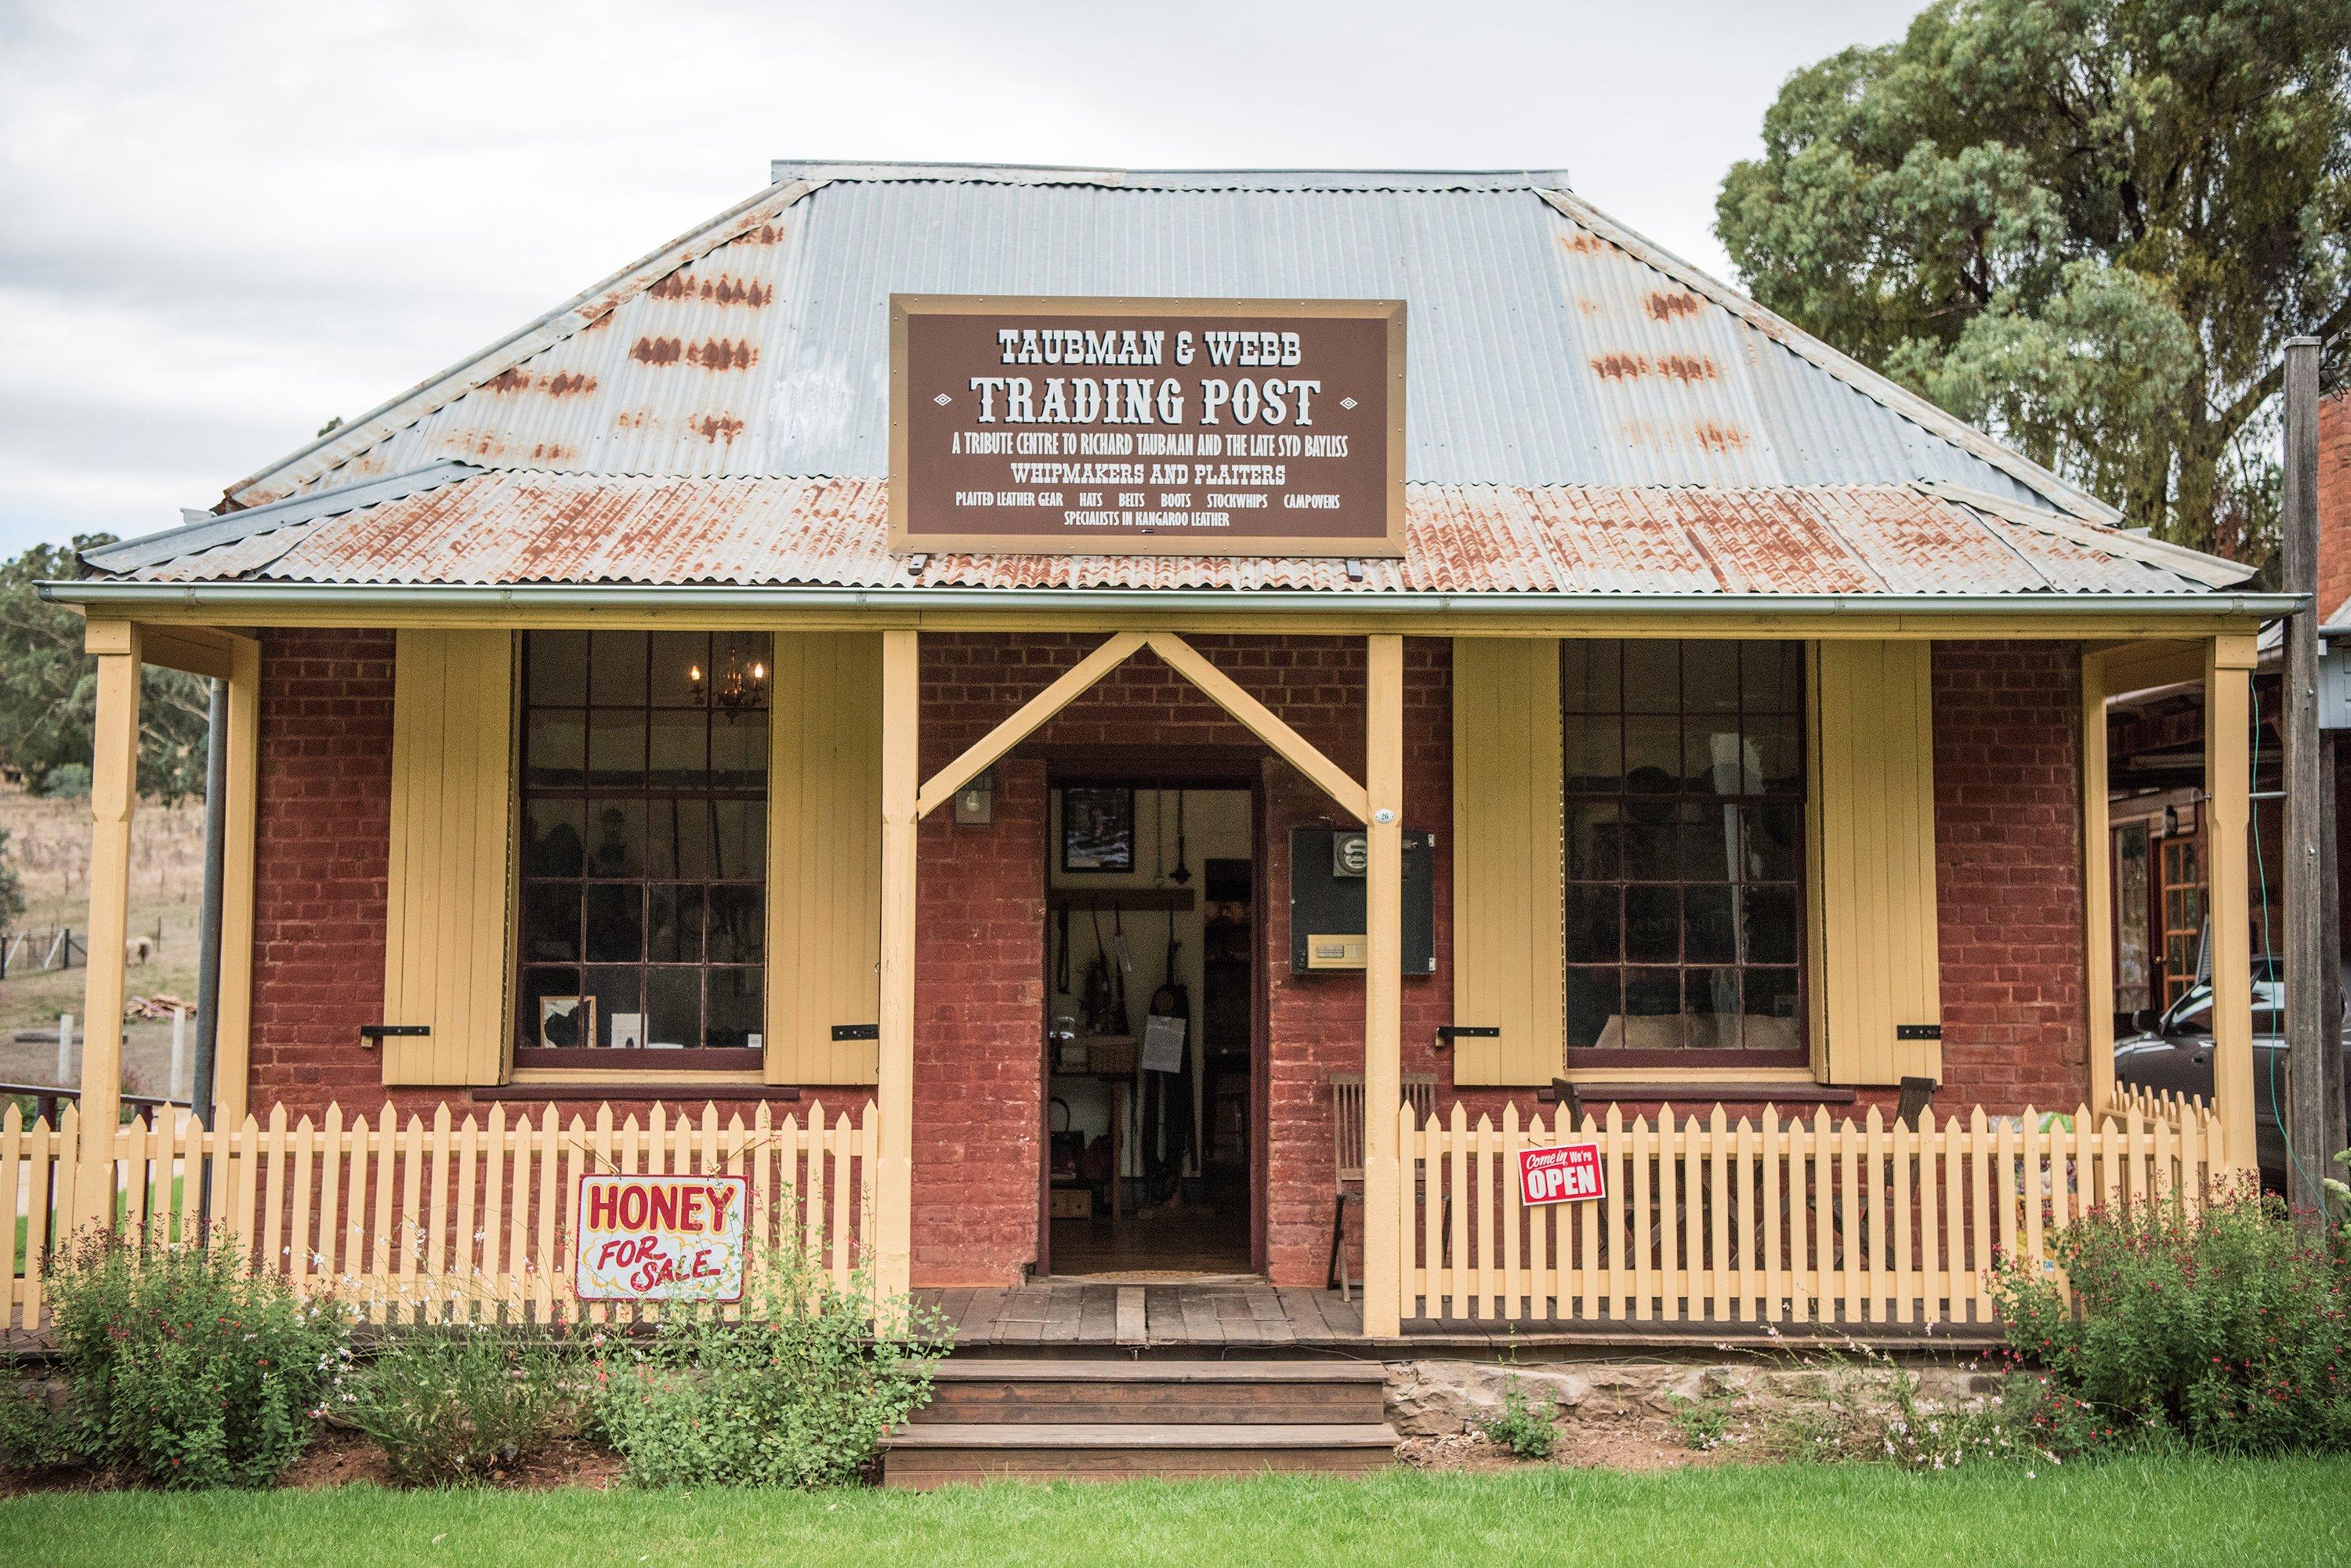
(227, 223)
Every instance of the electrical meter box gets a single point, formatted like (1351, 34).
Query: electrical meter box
(1328, 883)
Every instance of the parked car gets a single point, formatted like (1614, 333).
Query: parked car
(2173, 1051)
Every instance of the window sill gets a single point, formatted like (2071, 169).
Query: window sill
(1726, 1087)
(626, 1083)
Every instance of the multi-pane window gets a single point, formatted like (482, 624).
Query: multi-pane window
(1683, 797)
(2183, 915)
(645, 801)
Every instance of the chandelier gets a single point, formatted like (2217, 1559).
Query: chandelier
(738, 687)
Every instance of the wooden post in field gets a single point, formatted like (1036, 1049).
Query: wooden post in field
(2313, 969)
(894, 1099)
(113, 795)
(2228, 781)
(1383, 983)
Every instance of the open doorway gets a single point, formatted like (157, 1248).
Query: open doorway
(1151, 1044)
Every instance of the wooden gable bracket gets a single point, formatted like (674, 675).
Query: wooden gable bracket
(1184, 660)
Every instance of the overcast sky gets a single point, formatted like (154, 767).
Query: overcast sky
(222, 223)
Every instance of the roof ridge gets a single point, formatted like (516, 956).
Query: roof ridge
(1823, 356)
(824, 171)
(345, 441)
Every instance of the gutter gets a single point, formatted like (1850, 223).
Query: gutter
(259, 599)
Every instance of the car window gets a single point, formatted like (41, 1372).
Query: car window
(2191, 1014)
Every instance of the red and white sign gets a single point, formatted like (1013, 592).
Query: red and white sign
(1568, 1174)
(662, 1237)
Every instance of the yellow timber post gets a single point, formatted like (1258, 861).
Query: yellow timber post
(113, 796)
(233, 1037)
(1383, 984)
(894, 1099)
(2097, 890)
(2228, 783)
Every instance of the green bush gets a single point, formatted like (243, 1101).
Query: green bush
(1703, 1424)
(66, 781)
(1524, 1426)
(799, 1392)
(183, 1369)
(2221, 1326)
(467, 1406)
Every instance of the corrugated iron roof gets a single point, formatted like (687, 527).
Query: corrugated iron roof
(510, 528)
(1547, 346)
(1587, 415)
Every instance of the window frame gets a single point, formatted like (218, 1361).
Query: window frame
(527, 1056)
(1714, 1062)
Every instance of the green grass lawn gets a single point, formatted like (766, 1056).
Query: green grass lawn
(2126, 1511)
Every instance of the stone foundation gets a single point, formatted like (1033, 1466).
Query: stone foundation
(1442, 1398)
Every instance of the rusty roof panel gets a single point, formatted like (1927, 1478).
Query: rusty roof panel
(1542, 353)
(507, 528)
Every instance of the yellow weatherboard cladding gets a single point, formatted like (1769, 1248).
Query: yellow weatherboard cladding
(1508, 871)
(449, 893)
(824, 856)
(1872, 921)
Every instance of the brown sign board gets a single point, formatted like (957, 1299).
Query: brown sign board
(1087, 426)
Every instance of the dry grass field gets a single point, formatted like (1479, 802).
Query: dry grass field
(49, 844)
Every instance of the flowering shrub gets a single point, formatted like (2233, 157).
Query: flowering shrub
(1867, 1408)
(183, 1368)
(1525, 1425)
(799, 1392)
(463, 1407)
(2220, 1324)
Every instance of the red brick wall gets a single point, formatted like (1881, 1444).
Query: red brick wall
(321, 850)
(2334, 503)
(2008, 882)
(1316, 1021)
(979, 1010)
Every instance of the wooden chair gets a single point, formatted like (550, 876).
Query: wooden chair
(1347, 1154)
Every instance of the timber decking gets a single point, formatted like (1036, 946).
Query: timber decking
(1090, 1318)
(1057, 1315)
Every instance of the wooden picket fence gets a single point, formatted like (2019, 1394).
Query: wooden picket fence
(2158, 1104)
(420, 1221)
(1769, 1220)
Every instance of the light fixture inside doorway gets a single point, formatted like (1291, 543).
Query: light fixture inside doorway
(740, 684)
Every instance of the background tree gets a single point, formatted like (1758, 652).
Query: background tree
(2087, 225)
(48, 687)
(12, 886)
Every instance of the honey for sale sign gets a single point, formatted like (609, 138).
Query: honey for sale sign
(1570, 1173)
(662, 1237)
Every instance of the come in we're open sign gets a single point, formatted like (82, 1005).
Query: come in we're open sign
(1570, 1173)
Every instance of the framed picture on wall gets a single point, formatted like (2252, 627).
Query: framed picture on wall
(1097, 829)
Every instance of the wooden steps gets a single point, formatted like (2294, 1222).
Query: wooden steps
(1060, 1420)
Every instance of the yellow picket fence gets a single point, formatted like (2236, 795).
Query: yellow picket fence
(2158, 1104)
(424, 1221)
(1769, 1220)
